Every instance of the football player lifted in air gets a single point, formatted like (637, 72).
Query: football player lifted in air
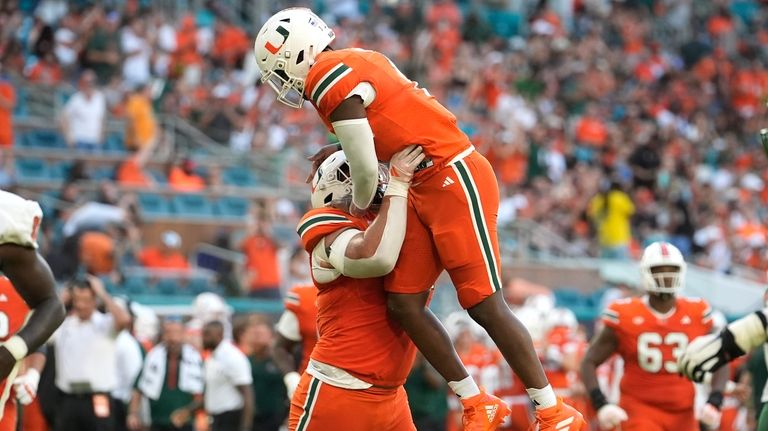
(650, 333)
(376, 111)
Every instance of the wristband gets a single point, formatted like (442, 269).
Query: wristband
(598, 398)
(716, 399)
(397, 188)
(17, 347)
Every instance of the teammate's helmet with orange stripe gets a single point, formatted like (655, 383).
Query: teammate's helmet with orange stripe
(285, 49)
(662, 268)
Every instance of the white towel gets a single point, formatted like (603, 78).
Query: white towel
(153, 373)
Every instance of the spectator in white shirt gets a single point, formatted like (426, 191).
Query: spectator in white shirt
(228, 382)
(86, 367)
(129, 359)
(84, 115)
(138, 52)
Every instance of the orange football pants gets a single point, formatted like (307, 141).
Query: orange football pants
(10, 416)
(452, 225)
(318, 406)
(32, 417)
(644, 417)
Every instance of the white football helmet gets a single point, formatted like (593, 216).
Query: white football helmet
(562, 318)
(286, 47)
(662, 253)
(332, 181)
(210, 307)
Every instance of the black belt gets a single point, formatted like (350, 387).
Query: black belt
(426, 163)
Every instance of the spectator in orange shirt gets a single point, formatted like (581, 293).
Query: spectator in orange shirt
(182, 177)
(231, 44)
(97, 253)
(131, 171)
(46, 71)
(140, 123)
(262, 269)
(167, 256)
(7, 104)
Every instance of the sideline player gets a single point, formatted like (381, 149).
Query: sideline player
(355, 376)
(375, 111)
(28, 274)
(297, 326)
(649, 333)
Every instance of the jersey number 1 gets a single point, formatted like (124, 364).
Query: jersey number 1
(650, 356)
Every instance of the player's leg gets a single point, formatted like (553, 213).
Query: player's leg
(408, 288)
(642, 417)
(465, 235)
(10, 416)
(399, 413)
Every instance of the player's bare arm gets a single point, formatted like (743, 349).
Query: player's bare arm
(602, 347)
(33, 279)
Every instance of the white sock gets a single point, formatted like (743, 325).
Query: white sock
(465, 388)
(542, 398)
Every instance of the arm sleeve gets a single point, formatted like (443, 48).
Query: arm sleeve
(356, 139)
(610, 317)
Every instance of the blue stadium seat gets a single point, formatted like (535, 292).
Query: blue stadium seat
(153, 205)
(168, 286)
(59, 171)
(31, 170)
(199, 285)
(504, 23)
(285, 234)
(115, 143)
(567, 297)
(192, 205)
(232, 207)
(134, 285)
(45, 139)
(239, 176)
(21, 103)
(103, 173)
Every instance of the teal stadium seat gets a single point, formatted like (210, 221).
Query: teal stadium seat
(32, 170)
(192, 205)
(232, 207)
(158, 176)
(153, 205)
(60, 170)
(168, 286)
(115, 143)
(239, 176)
(134, 285)
(43, 139)
(504, 23)
(21, 103)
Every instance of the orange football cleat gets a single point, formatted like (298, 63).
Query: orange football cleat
(483, 412)
(561, 417)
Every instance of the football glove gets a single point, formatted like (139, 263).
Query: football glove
(25, 386)
(610, 416)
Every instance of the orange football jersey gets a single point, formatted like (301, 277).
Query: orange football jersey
(354, 331)
(650, 344)
(13, 314)
(401, 113)
(300, 300)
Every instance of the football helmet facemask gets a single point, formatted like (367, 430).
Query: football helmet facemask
(662, 268)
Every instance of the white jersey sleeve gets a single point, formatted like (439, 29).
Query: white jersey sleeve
(19, 220)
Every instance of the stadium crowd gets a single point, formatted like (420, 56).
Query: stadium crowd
(614, 124)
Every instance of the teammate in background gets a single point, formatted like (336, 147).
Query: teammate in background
(649, 333)
(29, 275)
(355, 376)
(376, 111)
(297, 326)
